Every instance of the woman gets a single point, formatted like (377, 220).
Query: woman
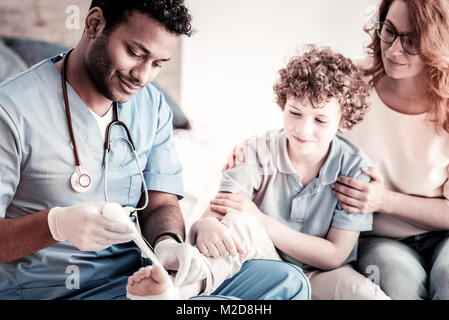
(406, 135)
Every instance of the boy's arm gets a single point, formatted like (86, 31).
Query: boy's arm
(324, 254)
(213, 238)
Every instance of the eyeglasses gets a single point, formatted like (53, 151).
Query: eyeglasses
(388, 34)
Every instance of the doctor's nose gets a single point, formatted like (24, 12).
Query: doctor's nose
(144, 73)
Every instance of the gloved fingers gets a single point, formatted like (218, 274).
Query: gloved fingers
(116, 226)
(183, 270)
(103, 243)
(91, 245)
(106, 236)
(95, 207)
(167, 259)
(193, 277)
(197, 271)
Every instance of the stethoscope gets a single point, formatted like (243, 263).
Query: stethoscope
(80, 180)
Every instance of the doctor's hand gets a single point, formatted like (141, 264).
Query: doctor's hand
(214, 239)
(86, 228)
(189, 263)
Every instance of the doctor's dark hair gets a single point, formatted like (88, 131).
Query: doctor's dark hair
(320, 75)
(172, 14)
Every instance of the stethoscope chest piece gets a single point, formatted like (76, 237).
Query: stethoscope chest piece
(80, 180)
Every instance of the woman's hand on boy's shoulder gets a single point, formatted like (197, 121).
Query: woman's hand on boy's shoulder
(362, 197)
(237, 155)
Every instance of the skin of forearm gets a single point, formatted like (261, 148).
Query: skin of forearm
(167, 218)
(426, 213)
(317, 252)
(20, 237)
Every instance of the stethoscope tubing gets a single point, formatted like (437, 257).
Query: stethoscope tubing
(107, 144)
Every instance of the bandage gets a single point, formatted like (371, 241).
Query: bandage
(116, 212)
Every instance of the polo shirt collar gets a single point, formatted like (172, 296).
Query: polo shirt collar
(329, 171)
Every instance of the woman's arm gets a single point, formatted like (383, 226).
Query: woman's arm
(426, 213)
(360, 197)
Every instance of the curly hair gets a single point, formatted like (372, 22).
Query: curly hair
(431, 26)
(320, 75)
(172, 14)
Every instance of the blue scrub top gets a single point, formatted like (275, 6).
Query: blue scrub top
(36, 162)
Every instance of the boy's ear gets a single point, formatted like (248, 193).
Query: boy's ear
(342, 127)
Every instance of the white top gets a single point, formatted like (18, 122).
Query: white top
(410, 154)
(103, 121)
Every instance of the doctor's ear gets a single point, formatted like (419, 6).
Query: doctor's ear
(95, 23)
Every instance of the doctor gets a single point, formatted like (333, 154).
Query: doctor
(54, 240)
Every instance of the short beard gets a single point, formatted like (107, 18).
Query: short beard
(98, 65)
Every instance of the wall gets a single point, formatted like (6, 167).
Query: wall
(231, 63)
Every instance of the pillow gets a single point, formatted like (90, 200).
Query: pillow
(10, 63)
(179, 119)
(33, 51)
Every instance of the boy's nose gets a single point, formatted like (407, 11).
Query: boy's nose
(304, 130)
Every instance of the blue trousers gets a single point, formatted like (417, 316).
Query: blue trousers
(257, 280)
(264, 280)
(415, 268)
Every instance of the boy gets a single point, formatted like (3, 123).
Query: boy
(288, 175)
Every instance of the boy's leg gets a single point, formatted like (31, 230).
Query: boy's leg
(264, 280)
(255, 242)
(343, 283)
(258, 279)
(250, 276)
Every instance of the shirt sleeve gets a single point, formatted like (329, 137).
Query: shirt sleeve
(163, 171)
(354, 221)
(10, 156)
(245, 178)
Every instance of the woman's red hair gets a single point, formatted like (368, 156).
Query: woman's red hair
(430, 24)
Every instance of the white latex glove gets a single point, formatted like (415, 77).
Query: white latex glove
(189, 263)
(86, 228)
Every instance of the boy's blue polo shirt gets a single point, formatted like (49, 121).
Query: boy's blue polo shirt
(269, 179)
